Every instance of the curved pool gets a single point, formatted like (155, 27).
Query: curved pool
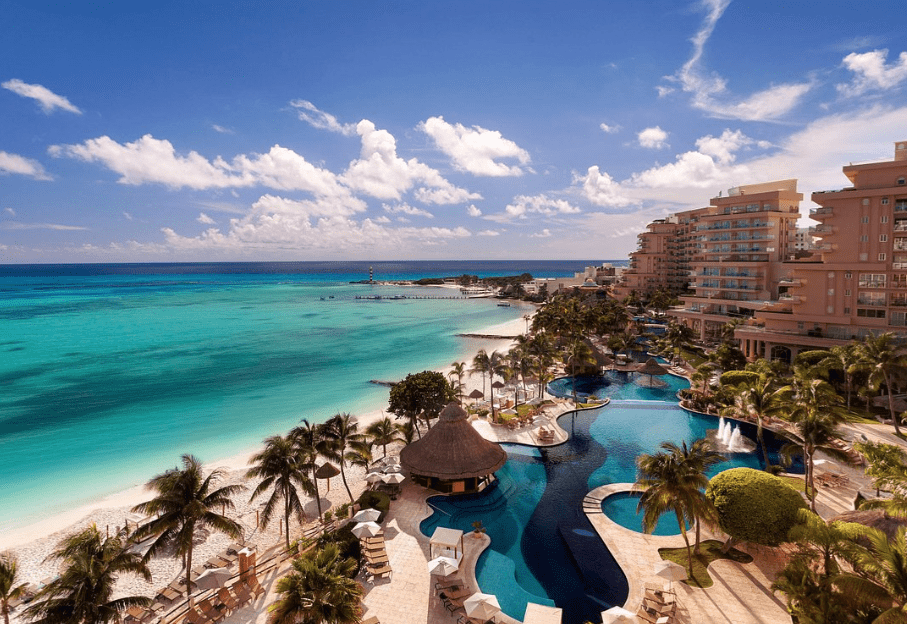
(620, 385)
(543, 547)
(621, 508)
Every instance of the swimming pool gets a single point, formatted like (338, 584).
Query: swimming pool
(620, 385)
(621, 508)
(543, 548)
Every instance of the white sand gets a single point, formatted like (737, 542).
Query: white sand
(32, 544)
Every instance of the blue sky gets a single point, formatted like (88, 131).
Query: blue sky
(189, 131)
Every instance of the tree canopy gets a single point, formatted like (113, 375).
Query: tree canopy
(421, 395)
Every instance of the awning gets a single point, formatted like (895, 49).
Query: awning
(444, 538)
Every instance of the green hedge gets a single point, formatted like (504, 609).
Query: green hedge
(754, 506)
(375, 500)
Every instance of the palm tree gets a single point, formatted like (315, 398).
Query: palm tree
(278, 467)
(311, 443)
(8, 588)
(186, 502)
(814, 408)
(759, 400)
(341, 431)
(319, 590)
(880, 574)
(383, 432)
(844, 358)
(481, 364)
(83, 593)
(882, 359)
(674, 481)
(458, 370)
(360, 454)
(578, 353)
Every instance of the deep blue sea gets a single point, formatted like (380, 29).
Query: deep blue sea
(108, 373)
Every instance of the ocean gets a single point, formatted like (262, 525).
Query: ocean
(108, 373)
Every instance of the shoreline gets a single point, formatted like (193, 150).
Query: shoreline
(31, 543)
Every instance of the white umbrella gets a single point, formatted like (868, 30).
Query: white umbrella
(618, 615)
(394, 477)
(366, 515)
(366, 529)
(482, 606)
(373, 477)
(213, 578)
(443, 566)
(670, 571)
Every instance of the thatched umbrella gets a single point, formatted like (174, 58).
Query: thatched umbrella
(326, 471)
(475, 395)
(452, 450)
(874, 518)
(651, 367)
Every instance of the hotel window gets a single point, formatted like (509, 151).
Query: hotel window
(883, 238)
(871, 313)
(875, 299)
(865, 201)
(872, 280)
(830, 309)
(864, 219)
(900, 205)
(846, 292)
(864, 257)
(898, 318)
(901, 181)
(848, 275)
(884, 201)
(882, 257)
(899, 280)
(831, 292)
(864, 238)
(883, 219)
(846, 310)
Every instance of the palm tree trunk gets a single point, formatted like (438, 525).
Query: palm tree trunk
(894, 418)
(759, 437)
(686, 540)
(812, 485)
(189, 569)
(5, 612)
(343, 477)
(317, 494)
(286, 519)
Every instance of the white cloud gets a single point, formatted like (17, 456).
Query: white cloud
(872, 72)
(10, 212)
(407, 209)
(381, 173)
(600, 188)
(523, 205)
(653, 138)
(475, 150)
(47, 99)
(222, 129)
(14, 225)
(381, 219)
(13, 163)
(127, 216)
(664, 91)
(709, 90)
(310, 114)
(472, 211)
(488, 233)
(320, 207)
(546, 233)
(609, 129)
(203, 218)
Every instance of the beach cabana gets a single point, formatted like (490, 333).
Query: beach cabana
(448, 542)
(327, 471)
(475, 395)
(452, 457)
(651, 367)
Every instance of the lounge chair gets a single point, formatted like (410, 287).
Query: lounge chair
(194, 616)
(255, 586)
(227, 599)
(456, 594)
(453, 604)
(373, 571)
(210, 611)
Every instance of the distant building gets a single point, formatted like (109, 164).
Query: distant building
(803, 240)
(591, 278)
(857, 282)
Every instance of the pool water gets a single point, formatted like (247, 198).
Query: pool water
(619, 385)
(543, 547)
(621, 508)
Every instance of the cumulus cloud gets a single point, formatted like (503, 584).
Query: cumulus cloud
(609, 129)
(381, 173)
(488, 233)
(127, 216)
(19, 165)
(600, 188)
(203, 218)
(222, 129)
(10, 212)
(546, 233)
(405, 208)
(653, 138)
(871, 72)
(523, 205)
(310, 114)
(472, 211)
(708, 166)
(46, 99)
(475, 150)
(709, 90)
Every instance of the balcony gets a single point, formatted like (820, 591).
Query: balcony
(789, 298)
(822, 229)
(822, 211)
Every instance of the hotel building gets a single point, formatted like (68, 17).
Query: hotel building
(858, 283)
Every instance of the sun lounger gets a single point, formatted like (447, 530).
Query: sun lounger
(194, 616)
(377, 559)
(254, 586)
(382, 570)
(216, 562)
(453, 604)
(243, 595)
(227, 599)
(210, 611)
(456, 594)
(453, 586)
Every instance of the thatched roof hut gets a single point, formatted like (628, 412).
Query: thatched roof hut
(874, 518)
(452, 456)
(651, 367)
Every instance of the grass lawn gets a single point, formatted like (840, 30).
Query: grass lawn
(709, 551)
(693, 358)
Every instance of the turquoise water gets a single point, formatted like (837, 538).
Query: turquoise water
(621, 508)
(107, 379)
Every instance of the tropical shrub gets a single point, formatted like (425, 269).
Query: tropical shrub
(737, 377)
(375, 500)
(754, 506)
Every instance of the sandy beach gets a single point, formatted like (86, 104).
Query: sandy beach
(32, 544)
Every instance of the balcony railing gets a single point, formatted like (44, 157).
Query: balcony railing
(822, 210)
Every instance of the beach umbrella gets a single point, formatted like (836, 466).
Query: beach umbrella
(326, 471)
(213, 578)
(373, 477)
(394, 477)
(443, 566)
(475, 395)
(482, 606)
(670, 571)
(366, 515)
(497, 385)
(366, 529)
(618, 615)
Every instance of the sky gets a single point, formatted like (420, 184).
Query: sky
(372, 130)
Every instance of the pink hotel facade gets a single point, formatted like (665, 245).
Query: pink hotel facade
(740, 262)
